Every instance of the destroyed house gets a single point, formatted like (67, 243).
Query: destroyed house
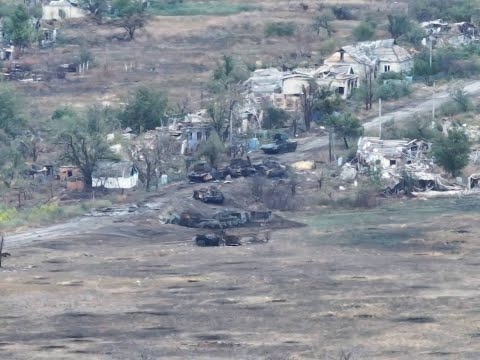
(115, 175)
(439, 33)
(338, 78)
(378, 56)
(373, 151)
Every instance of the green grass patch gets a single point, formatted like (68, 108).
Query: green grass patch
(191, 8)
(11, 218)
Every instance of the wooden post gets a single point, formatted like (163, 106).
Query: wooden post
(1, 249)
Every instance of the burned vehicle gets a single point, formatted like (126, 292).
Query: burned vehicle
(280, 145)
(216, 239)
(226, 218)
(271, 168)
(202, 172)
(240, 167)
(209, 195)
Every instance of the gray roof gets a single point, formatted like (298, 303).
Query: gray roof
(265, 80)
(367, 52)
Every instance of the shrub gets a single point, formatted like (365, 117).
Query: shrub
(452, 151)
(274, 118)
(280, 28)
(363, 31)
(213, 148)
(393, 90)
(343, 13)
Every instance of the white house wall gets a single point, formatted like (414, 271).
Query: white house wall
(116, 183)
(52, 12)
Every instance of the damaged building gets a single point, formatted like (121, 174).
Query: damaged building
(439, 33)
(381, 55)
(393, 159)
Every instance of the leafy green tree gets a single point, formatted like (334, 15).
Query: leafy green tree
(131, 15)
(82, 138)
(145, 110)
(414, 35)
(12, 162)
(98, 8)
(398, 25)
(274, 118)
(213, 148)
(346, 126)
(18, 28)
(363, 31)
(452, 151)
(11, 120)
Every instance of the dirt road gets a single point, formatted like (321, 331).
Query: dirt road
(403, 114)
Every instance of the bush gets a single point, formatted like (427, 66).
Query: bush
(213, 148)
(274, 118)
(393, 90)
(343, 13)
(363, 31)
(452, 151)
(280, 28)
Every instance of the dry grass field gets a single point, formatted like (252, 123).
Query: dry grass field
(177, 53)
(391, 283)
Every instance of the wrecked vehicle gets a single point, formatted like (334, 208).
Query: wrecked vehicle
(226, 218)
(216, 239)
(240, 167)
(209, 195)
(203, 172)
(271, 168)
(280, 145)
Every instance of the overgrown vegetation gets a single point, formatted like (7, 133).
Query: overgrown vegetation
(192, 8)
(280, 28)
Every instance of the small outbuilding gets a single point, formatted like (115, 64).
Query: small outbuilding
(115, 175)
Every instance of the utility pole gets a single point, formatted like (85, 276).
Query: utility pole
(433, 103)
(380, 117)
(431, 49)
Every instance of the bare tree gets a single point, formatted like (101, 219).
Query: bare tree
(153, 157)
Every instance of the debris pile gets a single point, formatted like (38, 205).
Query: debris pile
(222, 219)
(394, 161)
(220, 238)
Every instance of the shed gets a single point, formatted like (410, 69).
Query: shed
(115, 175)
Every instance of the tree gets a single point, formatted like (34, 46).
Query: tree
(96, 7)
(323, 21)
(398, 25)
(18, 28)
(227, 87)
(346, 126)
(274, 118)
(452, 151)
(317, 102)
(145, 110)
(131, 15)
(12, 121)
(363, 31)
(152, 157)
(82, 137)
(213, 148)
(12, 163)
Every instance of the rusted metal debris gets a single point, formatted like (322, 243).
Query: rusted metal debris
(202, 172)
(223, 219)
(209, 195)
(221, 238)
